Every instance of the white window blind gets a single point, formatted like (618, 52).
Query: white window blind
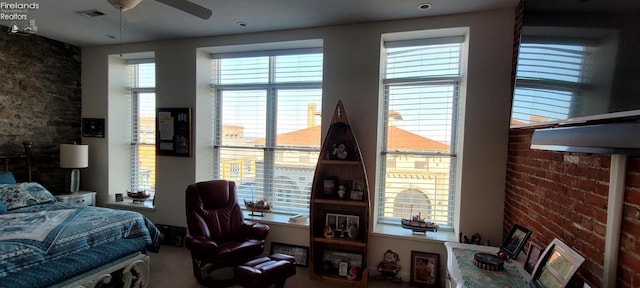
(549, 81)
(267, 125)
(420, 80)
(143, 130)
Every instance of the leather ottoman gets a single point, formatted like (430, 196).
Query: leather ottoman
(265, 271)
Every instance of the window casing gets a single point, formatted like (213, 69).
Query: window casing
(418, 157)
(143, 128)
(267, 125)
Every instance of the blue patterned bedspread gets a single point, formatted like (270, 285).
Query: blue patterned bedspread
(35, 234)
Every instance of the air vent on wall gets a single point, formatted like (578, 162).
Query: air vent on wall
(90, 13)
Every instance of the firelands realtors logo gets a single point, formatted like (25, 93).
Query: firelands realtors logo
(17, 13)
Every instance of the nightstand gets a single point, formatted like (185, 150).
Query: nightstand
(87, 198)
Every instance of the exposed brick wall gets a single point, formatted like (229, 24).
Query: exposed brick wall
(40, 101)
(564, 195)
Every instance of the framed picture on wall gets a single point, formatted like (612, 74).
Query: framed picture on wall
(93, 127)
(173, 132)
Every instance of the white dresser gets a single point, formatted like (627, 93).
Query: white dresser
(461, 271)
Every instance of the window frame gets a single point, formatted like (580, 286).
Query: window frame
(135, 94)
(384, 151)
(270, 149)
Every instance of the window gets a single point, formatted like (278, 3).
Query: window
(418, 156)
(267, 125)
(550, 81)
(143, 131)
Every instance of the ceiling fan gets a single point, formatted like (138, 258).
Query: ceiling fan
(183, 5)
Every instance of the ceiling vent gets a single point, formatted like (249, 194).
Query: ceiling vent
(90, 13)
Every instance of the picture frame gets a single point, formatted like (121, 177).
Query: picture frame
(556, 267)
(93, 127)
(343, 225)
(357, 190)
(334, 258)
(300, 253)
(515, 241)
(425, 269)
(119, 197)
(533, 256)
(173, 132)
(343, 268)
(329, 187)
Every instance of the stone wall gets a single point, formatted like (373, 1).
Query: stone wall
(40, 101)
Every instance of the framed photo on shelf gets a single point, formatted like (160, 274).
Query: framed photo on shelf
(329, 186)
(336, 257)
(343, 267)
(343, 225)
(301, 253)
(535, 251)
(556, 267)
(425, 269)
(514, 242)
(357, 190)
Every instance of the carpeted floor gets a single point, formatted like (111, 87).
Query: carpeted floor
(171, 268)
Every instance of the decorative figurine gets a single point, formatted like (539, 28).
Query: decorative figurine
(328, 232)
(340, 151)
(389, 267)
(341, 191)
(354, 273)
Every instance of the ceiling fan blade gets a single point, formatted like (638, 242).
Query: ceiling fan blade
(189, 7)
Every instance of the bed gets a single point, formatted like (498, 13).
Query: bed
(45, 243)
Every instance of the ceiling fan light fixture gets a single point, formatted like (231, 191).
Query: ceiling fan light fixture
(124, 5)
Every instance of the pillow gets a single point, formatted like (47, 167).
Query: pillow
(24, 194)
(7, 178)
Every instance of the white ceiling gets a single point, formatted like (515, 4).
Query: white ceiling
(151, 20)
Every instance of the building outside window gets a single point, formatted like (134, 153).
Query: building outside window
(266, 115)
(421, 81)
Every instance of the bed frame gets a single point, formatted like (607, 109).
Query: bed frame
(133, 269)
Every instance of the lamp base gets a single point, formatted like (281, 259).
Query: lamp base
(72, 181)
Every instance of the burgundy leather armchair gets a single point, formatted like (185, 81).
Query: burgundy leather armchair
(218, 236)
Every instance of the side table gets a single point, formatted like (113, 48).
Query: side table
(86, 198)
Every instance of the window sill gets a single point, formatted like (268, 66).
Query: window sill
(275, 218)
(146, 206)
(382, 230)
(394, 231)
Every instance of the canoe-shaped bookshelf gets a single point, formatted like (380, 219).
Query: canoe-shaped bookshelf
(340, 208)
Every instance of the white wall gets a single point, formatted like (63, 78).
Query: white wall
(351, 73)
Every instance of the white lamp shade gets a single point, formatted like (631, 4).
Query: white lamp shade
(74, 156)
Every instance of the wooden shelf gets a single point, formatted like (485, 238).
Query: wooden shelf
(327, 254)
(340, 202)
(341, 241)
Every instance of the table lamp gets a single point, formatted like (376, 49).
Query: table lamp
(73, 156)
